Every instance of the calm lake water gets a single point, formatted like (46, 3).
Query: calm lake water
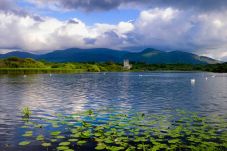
(139, 92)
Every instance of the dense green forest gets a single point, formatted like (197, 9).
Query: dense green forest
(18, 65)
(221, 68)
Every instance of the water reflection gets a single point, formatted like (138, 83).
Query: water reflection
(144, 92)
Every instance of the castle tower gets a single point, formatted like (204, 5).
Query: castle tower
(127, 64)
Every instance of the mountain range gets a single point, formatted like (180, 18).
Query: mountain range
(149, 55)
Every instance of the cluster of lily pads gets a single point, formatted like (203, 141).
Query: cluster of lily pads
(107, 130)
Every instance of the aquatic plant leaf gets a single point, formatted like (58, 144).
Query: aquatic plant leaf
(89, 112)
(131, 148)
(24, 126)
(81, 142)
(53, 140)
(86, 124)
(60, 137)
(108, 141)
(28, 134)
(59, 115)
(127, 132)
(24, 143)
(74, 130)
(40, 138)
(76, 135)
(173, 141)
(46, 144)
(159, 146)
(100, 146)
(142, 146)
(62, 148)
(86, 134)
(114, 148)
(64, 144)
(69, 150)
(26, 112)
(55, 133)
(55, 125)
(73, 140)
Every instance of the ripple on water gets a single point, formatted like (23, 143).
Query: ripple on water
(71, 93)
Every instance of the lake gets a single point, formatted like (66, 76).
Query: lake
(152, 92)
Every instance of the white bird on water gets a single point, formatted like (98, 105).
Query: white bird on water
(206, 78)
(192, 81)
(25, 76)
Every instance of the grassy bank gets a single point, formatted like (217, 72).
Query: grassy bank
(15, 65)
(38, 71)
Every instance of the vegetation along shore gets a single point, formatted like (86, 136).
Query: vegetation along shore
(15, 65)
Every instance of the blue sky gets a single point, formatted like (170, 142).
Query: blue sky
(45, 25)
(110, 17)
(113, 16)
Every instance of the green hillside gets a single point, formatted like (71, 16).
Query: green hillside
(149, 56)
(28, 65)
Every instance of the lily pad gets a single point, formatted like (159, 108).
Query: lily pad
(60, 137)
(46, 144)
(28, 134)
(73, 140)
(100, 146)
(55, 133)
(24, 143)
(62, 148)
(81, 142)
(64, 144)
(40, 138)
(53, 140)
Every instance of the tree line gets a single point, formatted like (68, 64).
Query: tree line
(31, 64)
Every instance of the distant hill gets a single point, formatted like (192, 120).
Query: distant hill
(149, 55)
(19, 54)
(84, 55)
(153, 56)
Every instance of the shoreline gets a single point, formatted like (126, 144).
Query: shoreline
(29, 66)
(4, 71)
(37, 71)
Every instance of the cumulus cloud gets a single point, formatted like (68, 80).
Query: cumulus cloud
(27, 33)
(6, 5)
(172, 29)
(91, 5)
(168, 29)
(9, 6)
(3, 51)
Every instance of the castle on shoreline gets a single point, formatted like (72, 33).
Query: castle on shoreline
(127, 65)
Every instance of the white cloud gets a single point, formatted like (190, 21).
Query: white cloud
(201, 33)
(3, 51)
(24, 32)
(161, 28)
(103, 5)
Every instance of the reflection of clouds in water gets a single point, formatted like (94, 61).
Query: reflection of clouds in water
(98, 92)
(124, 93)
(11, 90)
(33, 95)
(210, 95)
(77, 103)
(50, 98)
(120, 91)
